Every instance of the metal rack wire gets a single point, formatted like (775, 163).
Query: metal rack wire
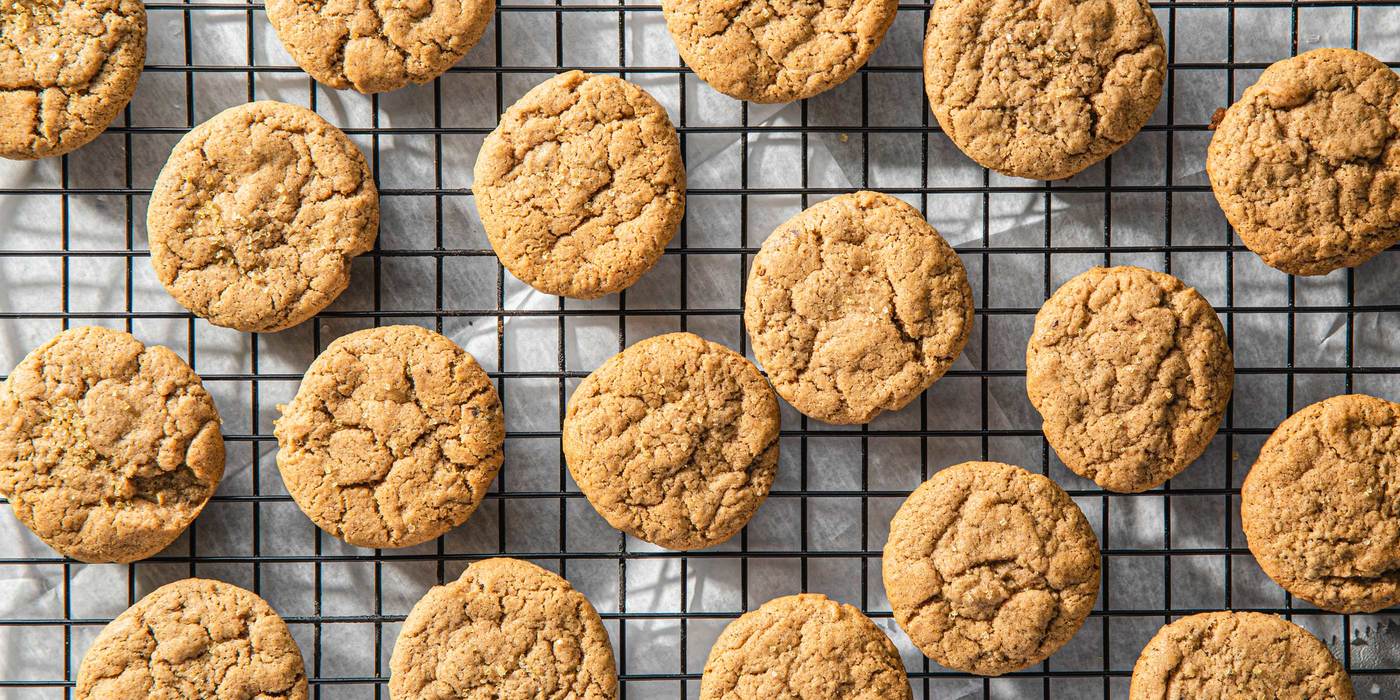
(533, 511)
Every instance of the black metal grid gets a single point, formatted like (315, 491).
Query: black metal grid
(1112, 636)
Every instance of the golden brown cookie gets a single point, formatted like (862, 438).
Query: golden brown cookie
(674, 440)
(194, 638)
(378, 46)
(804, 646)
(257, 214)
(1306, 165)
(581, 186)
(505, 629)
(1243, 655)
(856, 306)
(1042, 89)
(108, 448)
(1321, 506)
(777, 51)
(990, 568)
(1130, 370)
(67, 69)
(393, 437)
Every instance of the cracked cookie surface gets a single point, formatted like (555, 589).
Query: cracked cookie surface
(1321, 506)
(505, 629)
(990, 568)
(194, 638)
(855, 306)
(378, 45)
(257, 214)
(1042, 89)
(1237, 655)
(804, 646)
(767, 51)
(67, 69)
(1131, 371)
(392, 438)
(581, 186)
(108, 448)
(1306, 166)
(674, 440)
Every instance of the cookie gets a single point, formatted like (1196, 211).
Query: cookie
(257, 215)
(581, 186)
(1042, 89)
(777, 51)
(1131, 371)
(804, 646)
(1237, 655)
(376, 47)
(856, 306)
(1306, 166)
(67, 69)
(194, 638)
(392, 438)
(990, 568)
(674, 440)
(1321, 506)
(108, 448)
(505, 629)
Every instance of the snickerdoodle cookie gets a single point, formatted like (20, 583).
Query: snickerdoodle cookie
(768, 51)
(194, 638)
(1130, 370)
(67, 69)
(393, 437)
(674, 440)
(378, 46)
(505, 629)
(1321, 506)
(1237, 655)
(108, 448)
(856, 306)
(1042, 89)
(990, 568)
(804, 646)
(1306, 165)
(257, 215)
(581, 186)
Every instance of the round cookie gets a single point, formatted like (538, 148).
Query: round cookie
(67, 69)
(855, 306)
(1306, 166)
(108, 448)
(392, 438)
(1042, 89)
(804, 646)
(674, 440)
(1131, 371)
(581, 185)
(777, 51)
(990, 568)
(505, 629)
(1321, 506)
(1237, 655)
(194, 638)
(378, 46)
(257, 214)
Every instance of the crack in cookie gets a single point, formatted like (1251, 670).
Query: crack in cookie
(581, 186)
(674, 440)
(392, 438)
(990, 568)
(257, 215)
(67, 69)
(109, 449)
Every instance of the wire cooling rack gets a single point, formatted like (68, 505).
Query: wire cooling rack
(73, 251)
